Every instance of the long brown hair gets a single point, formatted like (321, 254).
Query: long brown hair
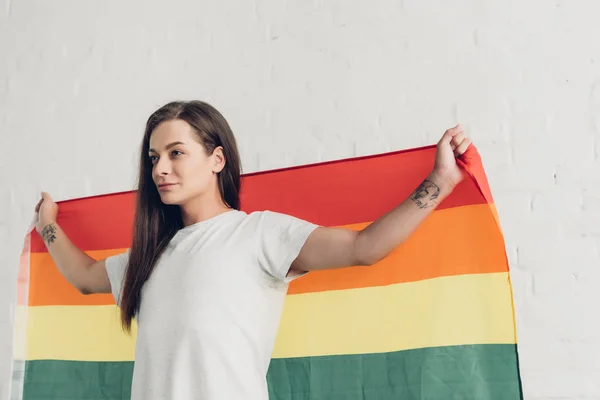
(156, 223)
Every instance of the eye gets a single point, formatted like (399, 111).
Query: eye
(153, 159)
(176, 152)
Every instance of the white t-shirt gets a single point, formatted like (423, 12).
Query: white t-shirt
(210, 311)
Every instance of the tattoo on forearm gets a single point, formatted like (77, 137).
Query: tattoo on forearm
(49, 234)
(426, 194)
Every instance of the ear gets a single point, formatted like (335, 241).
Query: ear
(218, 160)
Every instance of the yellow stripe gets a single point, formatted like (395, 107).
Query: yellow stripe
(466, 309)
(87, 333)
(20, 332)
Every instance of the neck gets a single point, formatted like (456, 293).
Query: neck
(202, 208)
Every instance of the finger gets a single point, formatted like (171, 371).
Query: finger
(457, 139)
(450, 133)
(37, 207)
(46, 196)
(462, 147)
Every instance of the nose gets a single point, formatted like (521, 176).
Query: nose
(162, 167)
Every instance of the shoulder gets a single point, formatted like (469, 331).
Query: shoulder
(116, 266)
(117, 261)
(270, 218)
(266, 214)
(277, 224)
(270, 214)
(280, 238)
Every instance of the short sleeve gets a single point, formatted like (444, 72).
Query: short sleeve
(115, 268)
(281, 238)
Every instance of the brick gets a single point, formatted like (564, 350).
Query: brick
(525, 223)
(586, 223)
(568, 254)
(578, 177)
(574, 365)
(552, 148)
(564, 314)
(512, 255)
(567, 212)
(527, 236)
(513, 205)
(549, 283)
(495, 155)
(584, 226)
(557, 202)
(591, 201)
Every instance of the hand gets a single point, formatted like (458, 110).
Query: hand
(453, 144)
(46, 210)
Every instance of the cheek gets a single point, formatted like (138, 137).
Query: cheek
(194, 175)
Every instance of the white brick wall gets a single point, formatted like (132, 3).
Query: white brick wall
(306, 81)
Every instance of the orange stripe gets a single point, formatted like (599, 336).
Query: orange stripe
(48, 287)
(456, 241)
(461, 240)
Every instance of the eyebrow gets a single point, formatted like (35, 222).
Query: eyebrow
(167, 147)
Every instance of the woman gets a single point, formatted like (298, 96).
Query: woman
(205, 281)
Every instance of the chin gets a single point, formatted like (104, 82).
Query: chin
(170, 199)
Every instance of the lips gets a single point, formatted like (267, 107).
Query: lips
(166, 185)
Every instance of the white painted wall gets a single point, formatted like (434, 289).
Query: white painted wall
(312, 80)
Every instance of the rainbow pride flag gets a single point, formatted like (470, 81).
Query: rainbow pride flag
(434, 320)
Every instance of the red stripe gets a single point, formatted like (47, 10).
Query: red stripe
(330, 194)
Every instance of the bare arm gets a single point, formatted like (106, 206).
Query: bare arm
(381, 237)
(328, 248)
(80, 270)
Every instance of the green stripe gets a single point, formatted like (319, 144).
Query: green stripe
(77, 380)
(483, 372)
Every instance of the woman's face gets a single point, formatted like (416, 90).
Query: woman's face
(182, 170)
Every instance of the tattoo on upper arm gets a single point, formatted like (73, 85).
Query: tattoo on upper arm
(425, 196)
(49, 234)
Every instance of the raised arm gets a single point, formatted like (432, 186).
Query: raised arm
(83, 272)
(328, 248)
